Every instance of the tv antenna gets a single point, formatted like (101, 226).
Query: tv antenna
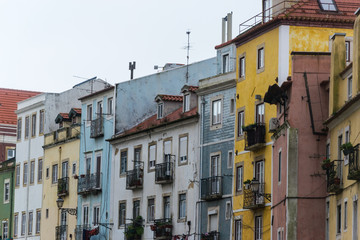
(187, 56)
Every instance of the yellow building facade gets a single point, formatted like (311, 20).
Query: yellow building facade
(263, 59)
(61, 161)
(343, 173)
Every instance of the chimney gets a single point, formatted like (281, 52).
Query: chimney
(229, 26)
(223, 30)
(356, 55)
(337, 66)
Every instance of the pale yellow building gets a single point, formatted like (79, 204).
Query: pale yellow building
(61, 161)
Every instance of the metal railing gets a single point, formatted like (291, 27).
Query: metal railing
(334, 176)
(211, 188)
(354, 164)
(163, 228)
(89, 183)
(213, 235)
(63, 186)
(253, 199)
(79, 231)
(254, 136)
(164, 172)
(61, 232)
(97, 128)
(134, 178)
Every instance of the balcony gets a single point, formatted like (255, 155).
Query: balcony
(164, 173)
(254, 136)
(61, 232)
(63, 186)
(89, 183)
(213, 235)
(354, 165)
(135, 229)
(334, 176)
(97, 128)
(211, 188)
(134, 178)
(254, 200)
(79, 231)
(162, 229)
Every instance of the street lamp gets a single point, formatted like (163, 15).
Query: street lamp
(60, 203)
(255, 186)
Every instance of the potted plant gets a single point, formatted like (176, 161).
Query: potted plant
(326, 164)
(135, 230)
(247, 184)
(347, 148)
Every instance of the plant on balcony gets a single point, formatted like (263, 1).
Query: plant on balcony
(326, 164)
(354, 174)
(135, 230)
(249, 127)
(247, 183)
(347, 148)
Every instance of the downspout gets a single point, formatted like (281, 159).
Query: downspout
(310, 109)
(11, 203)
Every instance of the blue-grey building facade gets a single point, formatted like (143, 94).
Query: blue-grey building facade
(95, 165)
(217, 104)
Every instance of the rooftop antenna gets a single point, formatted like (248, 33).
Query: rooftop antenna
(132, 68)
(187, 57)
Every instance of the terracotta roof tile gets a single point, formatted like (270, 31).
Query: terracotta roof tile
(77, 110)
(173, 98)
(193, 88)
(8, 103)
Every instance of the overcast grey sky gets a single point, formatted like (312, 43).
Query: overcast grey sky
(45, 43)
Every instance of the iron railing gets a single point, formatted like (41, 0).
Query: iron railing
(131, 229)
(164, 172)
(134, 178)
(253, 200)
(334, 176)
(213, 235)
(211, 188)
(63, 186)
(254, 136)
(354, 164)
(89, 183)
(61, 232)
(163, 229)
(97, 128)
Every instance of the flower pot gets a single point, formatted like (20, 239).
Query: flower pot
(336, 181)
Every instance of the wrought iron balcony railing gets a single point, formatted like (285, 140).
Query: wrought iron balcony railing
(63, 186)
(354, 164)
(213, 235)
(211, 188)
(253, 200)
(254, 136)
(97, 128)
(61, 232)
(79, 231)
(162, 229)
(164, 172)
(334, 176)
(89, 183)
(134, 178)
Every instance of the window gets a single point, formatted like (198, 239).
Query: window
(137, 157)
(17, 175)
(339, 146)
(242, 67)
(99, 109)
(345, 215)
(225, 62)
(186, 102)
(239, 178)
(33, 125)
(238, 230)
(241, 123)
(213, 220)
(259, 171)
(89, 112)
(27, 126)
(152, 156)
(40, 169)
(47, 172)
(5, 230)
(160, 110)
(136, 209)
(279, 173)
(19, 125)
(6, 190)
(215, 165)
(232, 106)
(73, 171)
(38, 221)
(85, 215)
(16, 224)
(96, 215)
(41, 121)
(30, 223)
(349, 87)
(32, 171)
(151, 210)
(123, 162)
(25, 178)
(47, 213)
(88, 164)
(54, 173)
(182, 206)
(258, 228)
(327, 221)
(230, 159)
(64, 169)
(166, 201)
(338, 219)
(280, 234)
(228, 211)
(260, 58)
(327, 5)
(355, 219)
(10, 153)
(122, 213)
(110, 106)
(216, 112)
(260, 113)
(347, 139)
(23, 223)
(183, 151)
(347, 47)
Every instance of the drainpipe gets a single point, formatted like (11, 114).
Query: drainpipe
(11, 201)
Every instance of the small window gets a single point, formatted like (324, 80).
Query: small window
(25, 179)
(6, 191)
(19, 125)
(17, 175)
(242, 67)
(47, 174)
(216, 112)
(38, 221)
(152, 156)
(10, 153)
(186, 102)
(54, 178)
(42, 121)
(96, 215)
(182, 206)
(327, 5)
(241, 123)
(32, 172)
(258, 227)
(33, 125)
(85, 215)
(151, 210)
(338, 219)
(260, 113)
(226, 65)
(89, 112)
(345, 215)
(47, 213)
(99, 109)
(239, 178)
(30, 223)
(5, 230)
(73, 171)
(183, 149)
(232, 106)
(16, 224)
(230, 159)
(27, 126)
(160, 110)
(123, 162)
(228, 210)
(110, 106)
(279, 173)
(23, 223)
(136, 209)
(166, 202)
(122, 214)
(349, 87)
(238, 230)
(40, 170)
(347, 48)
(261, 58)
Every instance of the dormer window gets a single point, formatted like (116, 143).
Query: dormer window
(160, 110)
(225, 62)
(327, 5)
(186, 102)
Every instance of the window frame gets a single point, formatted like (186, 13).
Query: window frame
(240, 123)
(345, 215)
(5, 225)
(242, 66)
(182, 206)
(89, 113)
(258, 228)
(17, 175)
(349, 87)
(216, 124)
(110, 103)
(123, 173)
(160, 110)
(16, 224)
(30, 222)
(238, 229)
(151, 209)
(6, 190)
(152, 145)
(279, 165)
(40, 170)
(41, 121)
(225, 60)
(38, 222)
(165, 205)
(23, 224)
(27, 127)
(122, 214)
(260, 58)
(328, 10)
(230, 159)
(33, 125)
(85, 217)
(54, 174)
(25, 173)
(96, 215)
(19, 129)
(338, 218)
(32, 172)
(260, 118)
(186, 103)
(182, 136)
(239, 171)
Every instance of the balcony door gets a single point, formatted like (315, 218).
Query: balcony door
(137, 157)
(88, 165)
(259, 175)
(260, 113)
(214, 173)
(98, 170)
(64, 169)
(63, 223)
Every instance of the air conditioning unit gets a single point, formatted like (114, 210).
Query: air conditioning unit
(273, 124)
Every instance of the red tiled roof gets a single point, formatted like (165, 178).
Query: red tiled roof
(77, 110)
(173, 98)
(193, 88)
(8, 103)
(64, 115)
(153, 122)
